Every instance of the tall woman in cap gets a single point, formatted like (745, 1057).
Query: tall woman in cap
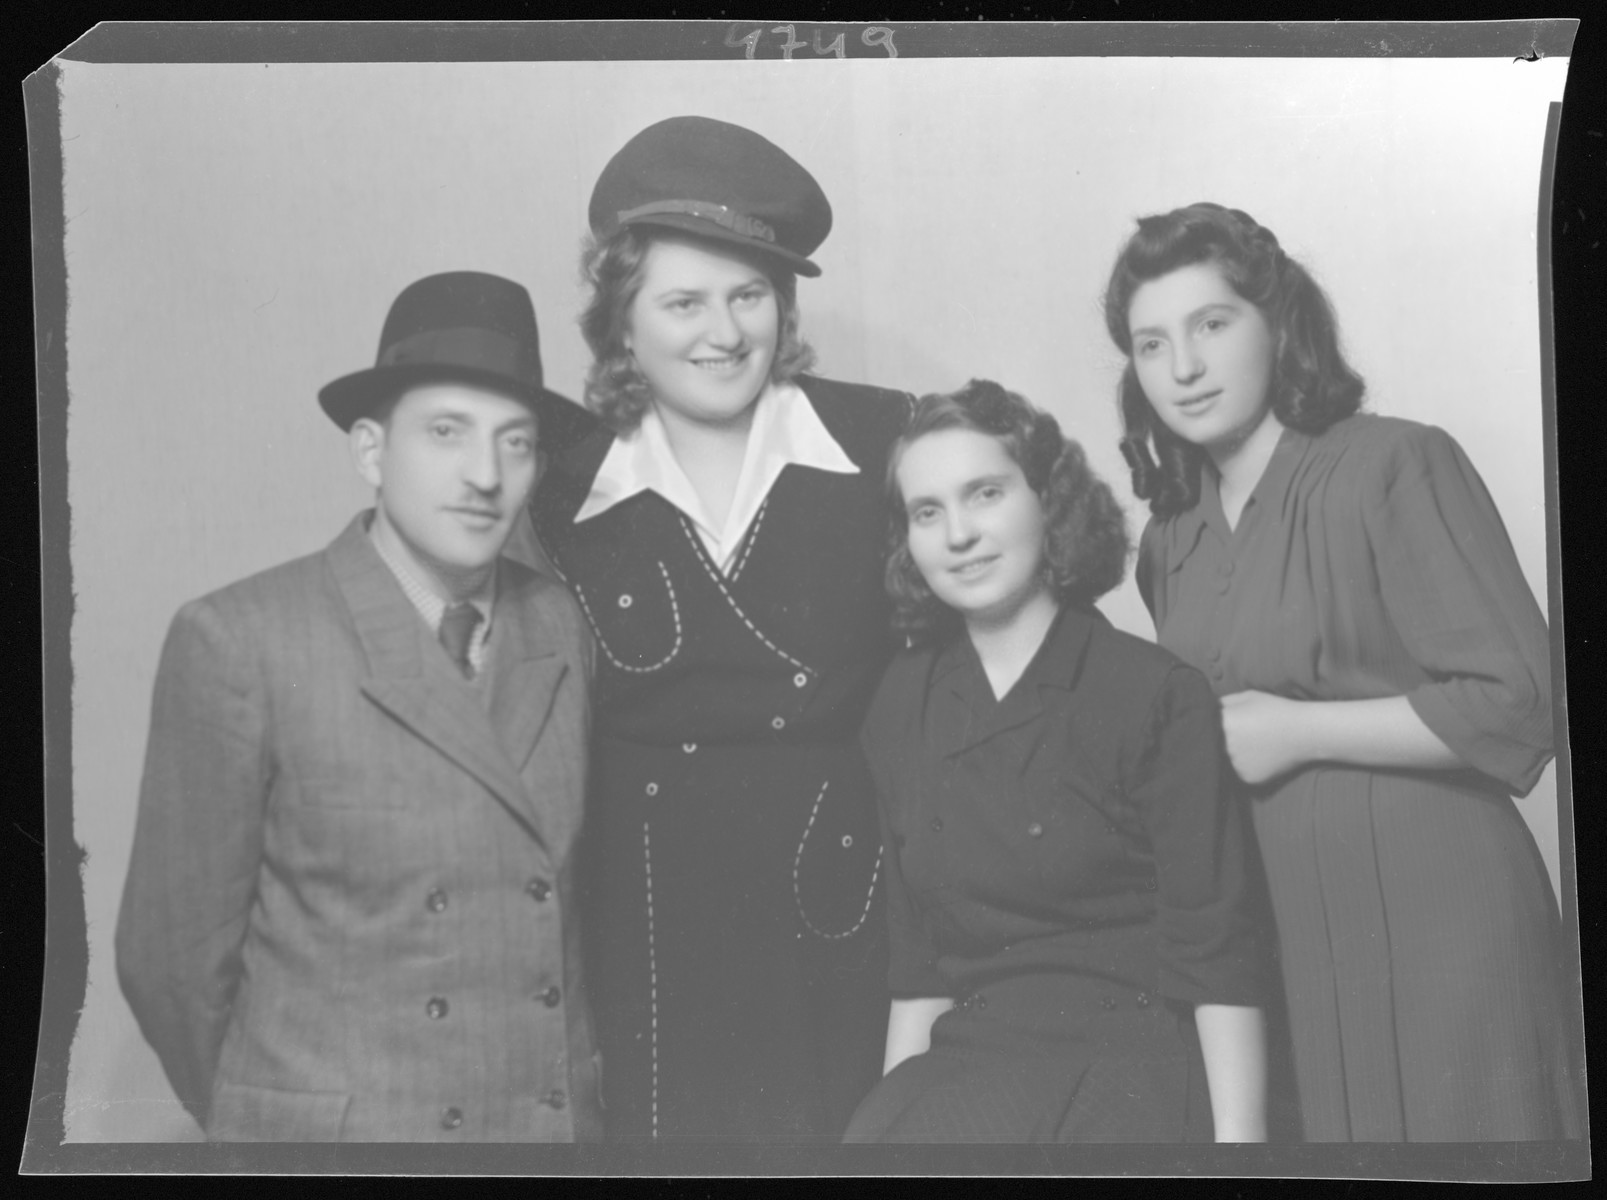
(719, 522)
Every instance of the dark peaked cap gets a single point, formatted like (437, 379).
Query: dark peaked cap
(715, 180)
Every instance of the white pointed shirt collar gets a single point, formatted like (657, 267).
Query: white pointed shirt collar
(786, 430)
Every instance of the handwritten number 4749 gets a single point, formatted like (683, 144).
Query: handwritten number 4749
(871, 35)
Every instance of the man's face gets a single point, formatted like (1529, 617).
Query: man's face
(452, 466)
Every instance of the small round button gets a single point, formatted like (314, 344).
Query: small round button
(538, 889)
(778, 722)
(557, 1099)
(435, 901)
(436, 1008)
(848, 840)
(689, 747)
(652, 789)
(1142, 1000)
(550, 997)
(800, 680)
(1035, 830)
(451, 1118)
(937, 824)
(625, 601)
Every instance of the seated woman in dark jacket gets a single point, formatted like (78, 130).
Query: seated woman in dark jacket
(1072, 956)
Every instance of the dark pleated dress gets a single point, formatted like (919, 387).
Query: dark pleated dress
(1064, 864)
(1419, 936)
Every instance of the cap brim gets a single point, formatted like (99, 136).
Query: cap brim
(709, 231)
(354, 396)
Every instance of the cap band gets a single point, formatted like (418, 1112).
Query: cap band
(720, 214)
(475, 349)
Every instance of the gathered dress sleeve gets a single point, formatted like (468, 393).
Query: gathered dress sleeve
(1208, 947)
(1454, 591)
(888, 743)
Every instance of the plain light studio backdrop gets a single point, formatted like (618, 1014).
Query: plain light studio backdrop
(235, 234)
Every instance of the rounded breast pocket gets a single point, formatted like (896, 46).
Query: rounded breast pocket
(838, 864)
(636, 616)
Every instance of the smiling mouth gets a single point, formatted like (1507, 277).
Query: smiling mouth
(720, 366)
(1195, 403)
(974, 567)
(478, 514)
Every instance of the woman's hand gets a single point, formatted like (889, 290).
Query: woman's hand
(1263, 734)
(1268, 736)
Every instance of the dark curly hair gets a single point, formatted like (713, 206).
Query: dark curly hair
(1312, 385)
(1085, 534)
(613, 267)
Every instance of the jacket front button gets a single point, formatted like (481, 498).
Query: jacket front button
(436, 1008)
(625, 600)
(435, 901)
(538, 889)
(652, 789)
(1035, 830)
(557, 1099)
(778, 722)
(800, 680)
(451, 1118)
(551, 996)
(689, 747)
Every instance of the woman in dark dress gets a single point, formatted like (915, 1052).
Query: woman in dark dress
(1065, 876)
(717, 516)
(1349, 589)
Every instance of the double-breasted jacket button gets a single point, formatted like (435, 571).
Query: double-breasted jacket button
(435, 901)
(451, 1118)
(1035, 830)
(1108, 1003)
(1142, 999)
(625, 601)
(937, 824)
(652, 789)
(848, 840)
(800, 680)
(557, 1099)
(436, 1008)
(551, 996)
(778, 722)
(538, 889)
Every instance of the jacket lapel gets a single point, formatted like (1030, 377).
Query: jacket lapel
(528, 667)
(977, 718)
(412, 681)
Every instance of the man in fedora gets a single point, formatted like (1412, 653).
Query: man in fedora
(349, 912)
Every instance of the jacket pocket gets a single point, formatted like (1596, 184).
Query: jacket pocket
(635, 614)
(242, 1112)
(838, 864)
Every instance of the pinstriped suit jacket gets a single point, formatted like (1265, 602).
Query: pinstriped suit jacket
(349, 912)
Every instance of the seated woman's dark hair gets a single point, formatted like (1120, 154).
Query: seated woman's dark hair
(1312, 385)
(613, 267)
(1085, 531)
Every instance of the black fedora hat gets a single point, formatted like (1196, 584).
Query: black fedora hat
(457, 327)
(715, 180)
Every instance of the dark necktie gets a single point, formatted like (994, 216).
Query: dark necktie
(458, 623)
